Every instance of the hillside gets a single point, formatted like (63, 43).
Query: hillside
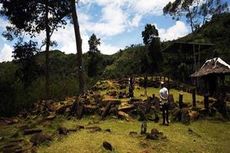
(131, 60)
(216, 32)
(63, 80)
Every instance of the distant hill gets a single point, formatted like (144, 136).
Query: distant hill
(216, 31)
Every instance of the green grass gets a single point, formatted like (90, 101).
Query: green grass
(210, 137)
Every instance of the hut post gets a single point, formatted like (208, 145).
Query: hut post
(180, 100)
(206, 101)
(194, 97)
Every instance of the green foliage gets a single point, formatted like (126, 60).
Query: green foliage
(197, 12)
(29, 16)
(149, 34)
(132, 60)
(93, 43)
(63, 82)
(24, 58)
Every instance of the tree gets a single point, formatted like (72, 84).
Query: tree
(93, 43)
(94, 55)
(193, 10)
(149, 34)
(212, 7)
(187, 8)
(24, 57)
(78, 45)
(32, 17)
(152, 41)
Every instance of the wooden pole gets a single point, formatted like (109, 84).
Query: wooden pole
(180, 100)
(194, 97)
(206, 101)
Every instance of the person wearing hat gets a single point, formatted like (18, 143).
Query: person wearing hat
(164, 103)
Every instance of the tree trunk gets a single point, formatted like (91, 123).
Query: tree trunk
(47, 50)
(191, 20)
(78, 45)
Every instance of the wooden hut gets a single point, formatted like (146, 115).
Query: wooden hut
(213, 73)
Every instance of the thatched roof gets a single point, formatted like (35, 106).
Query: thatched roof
(213, 66)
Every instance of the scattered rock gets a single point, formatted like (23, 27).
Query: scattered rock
(63, 131)
(79, 127)
(106, 110)
(133, 134)
(94, 128)
(9, 121)
(12, 148)
(1, 138)
(31, 131)
(190, 131)
(51, 117)
(108, 130)
(144, 144)
(123, 115)
(90, 109)
(112, 93)
(105, 102)
(135, 100)
(194, 115)
(40, 138)
(107, 146)
(17, 140)
(155, 135)
(126, 108)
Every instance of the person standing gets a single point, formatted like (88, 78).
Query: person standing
(164, 103)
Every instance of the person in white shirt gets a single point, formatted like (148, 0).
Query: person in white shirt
(164, 103)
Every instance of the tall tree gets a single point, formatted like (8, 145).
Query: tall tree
(94, 55)
(152, 41)
(93, 43)
(24, 57)
(149, 34)
(78, 45)
(32, 17)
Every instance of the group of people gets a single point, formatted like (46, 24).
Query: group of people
(163, 93)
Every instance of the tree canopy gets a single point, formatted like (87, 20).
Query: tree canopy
(93, 43)
(197, 12)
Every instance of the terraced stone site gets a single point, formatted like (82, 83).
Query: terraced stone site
(107, 120)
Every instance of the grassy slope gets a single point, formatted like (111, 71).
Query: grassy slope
(208, 136)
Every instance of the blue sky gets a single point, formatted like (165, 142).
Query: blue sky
(118, 23)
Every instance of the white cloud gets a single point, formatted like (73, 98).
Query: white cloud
(176, 31)
(108, 49)
(153, 7)
(6, 53)
(118, 16)
(135, 21)
(66, 41)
